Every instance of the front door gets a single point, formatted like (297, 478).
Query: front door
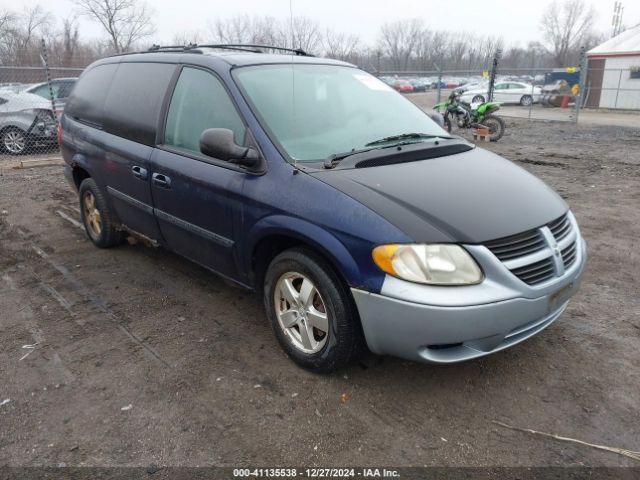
(195, 196)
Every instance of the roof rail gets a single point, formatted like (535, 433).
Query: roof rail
(256, 48)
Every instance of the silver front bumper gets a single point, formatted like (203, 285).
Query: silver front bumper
(453, 324)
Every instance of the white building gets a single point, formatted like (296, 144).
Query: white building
(613, 74)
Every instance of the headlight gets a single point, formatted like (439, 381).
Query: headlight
(433, 264)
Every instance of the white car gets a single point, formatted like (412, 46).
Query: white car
(505, 92)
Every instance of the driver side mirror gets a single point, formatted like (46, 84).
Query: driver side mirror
(219, 143)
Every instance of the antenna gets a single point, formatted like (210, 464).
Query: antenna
(293, 79)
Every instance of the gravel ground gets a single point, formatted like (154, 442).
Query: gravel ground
(143, 358)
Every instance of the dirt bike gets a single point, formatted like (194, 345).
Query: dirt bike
(472, 116)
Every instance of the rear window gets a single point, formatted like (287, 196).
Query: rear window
(87, 100)
(134, 100)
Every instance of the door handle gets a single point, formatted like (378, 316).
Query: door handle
(161, 180)
(139, 172)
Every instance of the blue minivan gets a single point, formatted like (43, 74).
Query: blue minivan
(360, 221)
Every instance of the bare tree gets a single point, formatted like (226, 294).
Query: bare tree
(125, 21)
(304, 34)
(246, 29)
(340, 46)
(70, 40)
(399, 40)
(565, 25)
(33, 20)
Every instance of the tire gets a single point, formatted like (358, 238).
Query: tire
(14, 141)
(478, 99)
(496, 127)
(342, 343)
(526, 100)
(96, 217)
(447, 124)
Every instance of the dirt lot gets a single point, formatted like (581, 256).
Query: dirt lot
(144, 358)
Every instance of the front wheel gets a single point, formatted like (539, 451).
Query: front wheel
(496, 127)
(311, 311)
(447, 124)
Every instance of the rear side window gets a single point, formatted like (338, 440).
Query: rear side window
(134, 100)
(87, 100)
(200, 102)
(64, 88)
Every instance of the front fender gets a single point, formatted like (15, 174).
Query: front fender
(321, 239)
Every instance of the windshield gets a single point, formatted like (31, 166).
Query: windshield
(315, 111)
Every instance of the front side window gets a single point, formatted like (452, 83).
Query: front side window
(199, 102)
(314, 111)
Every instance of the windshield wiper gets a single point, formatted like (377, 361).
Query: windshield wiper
(404, 136)
(335, 158)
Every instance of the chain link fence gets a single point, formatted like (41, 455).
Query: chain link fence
(524, 93)
(32, 98)
(30, 106)
(597, 90)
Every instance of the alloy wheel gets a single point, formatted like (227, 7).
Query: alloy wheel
(91, 214)
(301, 312)
(14, 141)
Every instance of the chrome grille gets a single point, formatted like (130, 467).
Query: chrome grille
(569, 255)
(561, 227)
(537, 272)
(517, 245)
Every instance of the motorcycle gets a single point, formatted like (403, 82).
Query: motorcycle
(467, 115)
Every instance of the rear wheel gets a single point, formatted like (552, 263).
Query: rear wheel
(477, 99)
(496, 127)
(526, 100)
(96, 216)
(14, 141)
(311, 311)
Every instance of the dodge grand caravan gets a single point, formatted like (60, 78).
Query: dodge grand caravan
(359, 220)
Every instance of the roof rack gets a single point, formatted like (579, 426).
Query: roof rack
(193, 47)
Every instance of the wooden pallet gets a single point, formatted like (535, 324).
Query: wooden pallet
(481, 135)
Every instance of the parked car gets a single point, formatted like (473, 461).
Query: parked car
(61, 88)
(13, 87)
(403, 86)
(418, 85)
(472, 86)
(26, 121)
(505, 92)
(357, 218)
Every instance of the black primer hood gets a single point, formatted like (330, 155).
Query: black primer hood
(469, 197)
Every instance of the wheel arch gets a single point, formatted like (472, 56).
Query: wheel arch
(80, 169)
(273, 235)
(12, 127)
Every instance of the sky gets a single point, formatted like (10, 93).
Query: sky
(517, 21)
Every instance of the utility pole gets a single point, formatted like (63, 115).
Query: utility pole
(616, 22)
(493, 74)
